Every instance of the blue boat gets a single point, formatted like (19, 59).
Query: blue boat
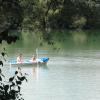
(27, 62)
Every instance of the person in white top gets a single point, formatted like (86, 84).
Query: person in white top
(20, 59)
(33, 59)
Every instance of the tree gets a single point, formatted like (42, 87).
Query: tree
(10, 90)
(10, 19)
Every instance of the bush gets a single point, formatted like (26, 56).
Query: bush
(10, 90)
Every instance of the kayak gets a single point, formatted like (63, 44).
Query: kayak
(27, 62)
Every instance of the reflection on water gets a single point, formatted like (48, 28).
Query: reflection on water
(33, 70)
(62, 41)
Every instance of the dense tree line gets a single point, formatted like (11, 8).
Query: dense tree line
(61, 14)
(10, 19)
(47, 15)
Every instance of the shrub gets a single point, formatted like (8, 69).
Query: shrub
(10, 90)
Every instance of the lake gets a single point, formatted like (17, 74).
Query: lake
(72, 73)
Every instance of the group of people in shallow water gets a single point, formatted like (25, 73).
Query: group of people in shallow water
(20, 58)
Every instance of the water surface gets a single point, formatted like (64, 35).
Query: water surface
(73, 76)
(73, 72)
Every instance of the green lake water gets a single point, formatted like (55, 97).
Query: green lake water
(72, 73)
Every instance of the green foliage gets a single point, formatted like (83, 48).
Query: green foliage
(47, 15)
(10, 19)
(10, 89)
(79, 22)
(50, 14)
